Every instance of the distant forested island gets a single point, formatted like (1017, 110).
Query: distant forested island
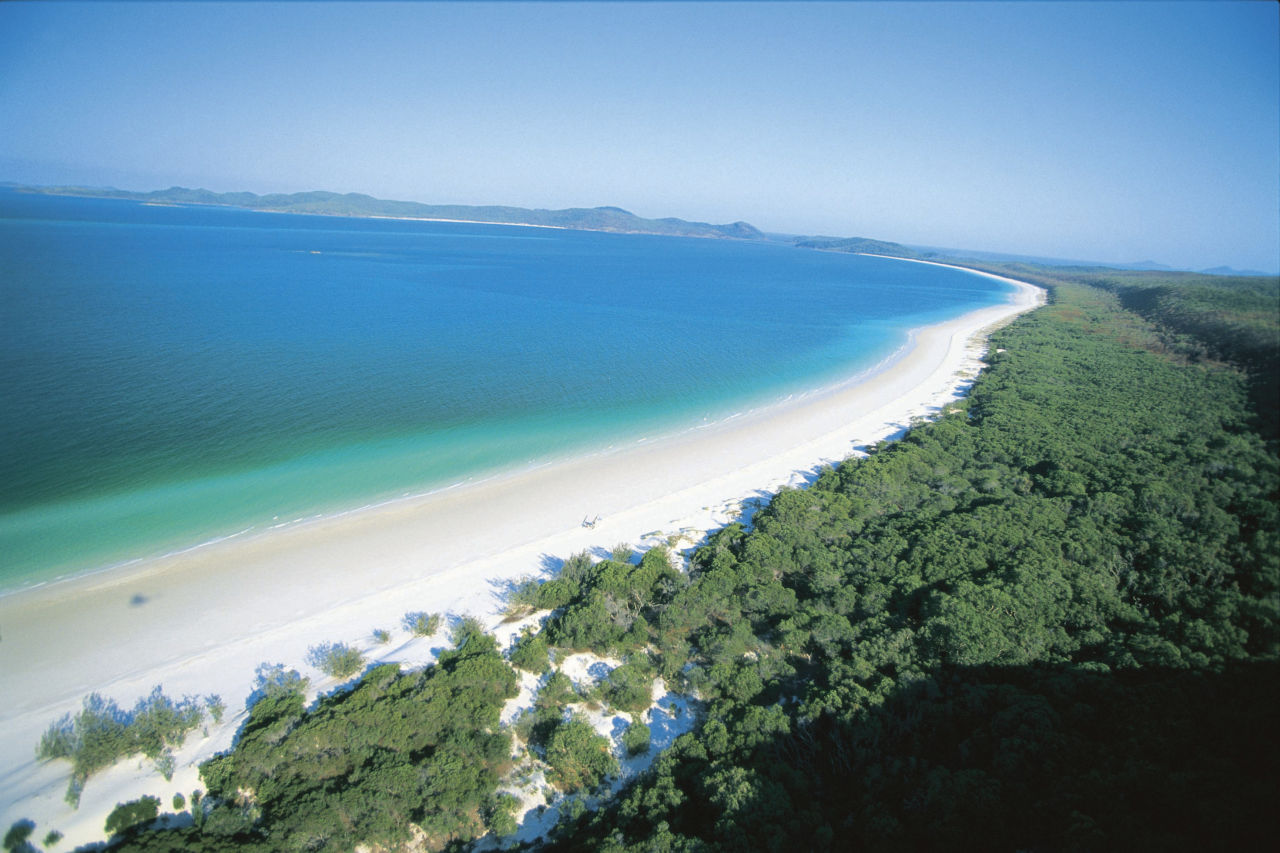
(862, 246)
(613, 219)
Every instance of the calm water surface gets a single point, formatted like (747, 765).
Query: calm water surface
(172, 375)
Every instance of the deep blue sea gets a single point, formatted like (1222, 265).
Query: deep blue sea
(173, 375)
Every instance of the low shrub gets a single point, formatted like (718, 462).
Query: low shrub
(335, 659)
(636, 738)
(579, 757)
(531, 653)
(132, 815)
(421, 624)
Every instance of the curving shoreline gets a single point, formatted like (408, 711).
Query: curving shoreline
(200, 621)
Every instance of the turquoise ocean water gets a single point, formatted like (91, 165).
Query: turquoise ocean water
(173, 375)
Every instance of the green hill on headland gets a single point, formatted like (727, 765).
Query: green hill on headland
(613, 219)
(861, 246)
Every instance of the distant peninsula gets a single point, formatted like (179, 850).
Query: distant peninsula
(613, 219)
(861, 246)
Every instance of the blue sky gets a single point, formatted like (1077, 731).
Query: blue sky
(1101, 131)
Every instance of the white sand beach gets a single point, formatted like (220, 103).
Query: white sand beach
(200, 622)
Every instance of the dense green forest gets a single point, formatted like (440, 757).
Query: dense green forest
(1048, 620)
(1198, 317)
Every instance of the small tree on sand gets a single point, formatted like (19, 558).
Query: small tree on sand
(132, 815)
(336, 659)
(421, 624)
